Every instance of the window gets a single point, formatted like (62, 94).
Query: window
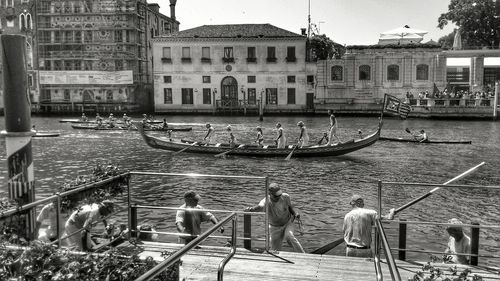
(186, 54)
(87, 65)
(251, 79)
(109, 95)
(291, 95)
(187, 95)
(310, 79)
(167, 55)
(422, 72)
(393, 72)
(57, 36)
(251, 55)
(207, 96)
(271, 54)
(167, 79)
(271, 96)
(252, 96)
(119, 65)
(290, 54)
(228, 54)
(337, 73)
(67, 95)
(167, 96)
(290, 79)
(206, 79)
(364, 72)
(118, 36)
(205, 54)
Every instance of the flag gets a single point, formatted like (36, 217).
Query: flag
(396, 107)
(435, 91)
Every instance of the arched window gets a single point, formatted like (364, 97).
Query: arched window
(422, 72)
(337, 73)
(365, 72)
(393, 72)
(29, 24)
(22, 21)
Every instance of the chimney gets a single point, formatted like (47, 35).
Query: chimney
(303, 31)
(172, 9)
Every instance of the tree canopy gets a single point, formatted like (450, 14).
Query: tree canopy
(324, 48)
(478, 21)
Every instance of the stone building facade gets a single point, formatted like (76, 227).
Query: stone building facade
(95, 55)
(232, 68)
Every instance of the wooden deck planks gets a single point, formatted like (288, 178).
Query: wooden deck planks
(202, 264)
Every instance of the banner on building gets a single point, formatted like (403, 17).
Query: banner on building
(394, 106)
(86, 77)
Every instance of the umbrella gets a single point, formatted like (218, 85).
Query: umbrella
(404, 31)
(457, 41)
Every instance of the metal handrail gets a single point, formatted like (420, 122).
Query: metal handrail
(439, 185)
(194, 175)
(197, 210)
(223, 263)
(150, 274)
(393, 268)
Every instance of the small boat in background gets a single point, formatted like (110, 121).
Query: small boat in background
(104, 127)
(79, 121)
(428, 141)
(46, 134)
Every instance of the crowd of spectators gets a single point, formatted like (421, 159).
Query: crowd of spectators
(461, 94)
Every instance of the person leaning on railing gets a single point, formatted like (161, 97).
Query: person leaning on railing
(357, 228)
(83, 218)
(48, 216)
(458, 243)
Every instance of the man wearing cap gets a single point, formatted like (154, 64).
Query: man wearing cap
(84, 218)
(358, 228)
(281, 216)
(458, 243)
(188, 220)
(210, 134)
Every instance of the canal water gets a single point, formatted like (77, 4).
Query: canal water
(319, 187)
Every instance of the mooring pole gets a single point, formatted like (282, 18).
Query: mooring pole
(18, 128)
(495, 100)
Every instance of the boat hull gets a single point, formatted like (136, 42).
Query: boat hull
(78, 121)
(95, 127)
(428, 142)
(254, 150)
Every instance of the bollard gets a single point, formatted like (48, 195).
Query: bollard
(474, 244)
(133, 222)
(18, 132)
(402, 240)
(247, 231)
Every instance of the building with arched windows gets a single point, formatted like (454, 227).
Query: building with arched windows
(233, 69)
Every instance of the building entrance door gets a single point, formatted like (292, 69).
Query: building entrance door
(310, 100)
(229, 91)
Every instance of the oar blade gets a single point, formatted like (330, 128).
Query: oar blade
(328, 247)
(289, 156)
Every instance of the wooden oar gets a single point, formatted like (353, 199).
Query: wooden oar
(328, 247)
(437, 188)
(230, 150)
(177, 152)
(291, 152)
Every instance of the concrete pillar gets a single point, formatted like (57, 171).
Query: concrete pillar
(477, 66)
(378, 72)
(440, 71)
(407, 71)
(350, 71)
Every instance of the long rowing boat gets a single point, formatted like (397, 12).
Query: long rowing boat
(46, 134)
(265, 151)
(429, 141)
(79, 121)
(131, 128)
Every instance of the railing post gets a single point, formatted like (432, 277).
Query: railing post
(247, 231)
(474, 244)
(402, 240)
(379, 207)
(495, 100)
(58, 220)
(133, 222)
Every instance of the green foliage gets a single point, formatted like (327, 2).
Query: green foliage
(478, 21)
(446, 42)
(324, 48)
(44, 262)
(430, 272)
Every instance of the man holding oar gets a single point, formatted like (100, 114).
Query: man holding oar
(281, 217)
(357, 228)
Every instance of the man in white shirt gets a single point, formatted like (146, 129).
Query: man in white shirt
(458, 243)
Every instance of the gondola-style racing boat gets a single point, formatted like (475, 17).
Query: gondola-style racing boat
(428, 141)
(266, 151)
(105, 127)
(79, 121)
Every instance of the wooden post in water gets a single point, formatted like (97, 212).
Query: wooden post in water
(247, 231)
(474, 244)
(21, 179)
(402, 240)
(495, 100)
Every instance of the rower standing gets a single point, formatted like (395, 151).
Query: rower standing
(333, 127)
(280, 139)
(126, 119)
(98, 119)
(231, 136)
(304, 137)
(260, 137)
(111, 120)
(210, 134)
(84, 118)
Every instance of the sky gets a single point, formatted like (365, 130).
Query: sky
(349, 22)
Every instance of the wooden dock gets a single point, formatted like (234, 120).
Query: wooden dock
(202, 264)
